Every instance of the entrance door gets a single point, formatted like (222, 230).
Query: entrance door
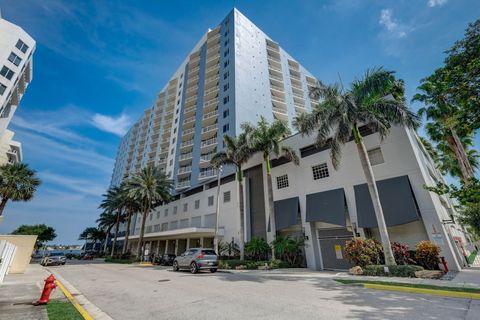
(332, 248)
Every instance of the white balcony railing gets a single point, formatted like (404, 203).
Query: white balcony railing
(210, 103)
(186, 156)
(210, 114)
(185, 144)
(210, 128)
(189, 120)
(209, 142)
(190, 109)
(212, 90)
(185, 169)
(207, 157)
(207, 173)
(183, 184)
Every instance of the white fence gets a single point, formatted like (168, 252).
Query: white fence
(7, 252)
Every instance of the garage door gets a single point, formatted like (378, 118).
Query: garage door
(332, 248)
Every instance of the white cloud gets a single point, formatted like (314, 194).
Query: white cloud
(436, 3)
(80, 185)
(118, 125)
(387, 20)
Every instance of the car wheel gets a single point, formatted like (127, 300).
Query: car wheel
(213, 270)
(175, 266)
(193, 267)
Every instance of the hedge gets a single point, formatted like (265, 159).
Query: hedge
(394, 271)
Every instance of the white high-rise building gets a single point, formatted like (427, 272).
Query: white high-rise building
(16, 51)
(234, 74)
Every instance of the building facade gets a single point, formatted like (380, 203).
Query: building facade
(16, 51)
(234, 74)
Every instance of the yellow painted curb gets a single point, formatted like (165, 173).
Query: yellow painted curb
(77, 306)
(145, 264)
(444, 293)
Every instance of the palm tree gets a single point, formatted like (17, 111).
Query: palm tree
(149, 187)
(447, 124)
(92, 233)
(131, 206)
(236, 153)
(106, 222)
(376, 100)
(265, 138)
(114, 201)
(17, 183)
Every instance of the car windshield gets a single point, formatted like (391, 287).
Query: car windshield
(56, 254)
(209, 252)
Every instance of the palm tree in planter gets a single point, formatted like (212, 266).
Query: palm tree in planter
(17, 183)
(131, 206)
(113, 202)
(265, 138)
(376, 100)
(237, 153)
(149, 187)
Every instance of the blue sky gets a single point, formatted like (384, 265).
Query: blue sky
(98, 64)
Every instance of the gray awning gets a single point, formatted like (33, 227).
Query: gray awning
(328, 206)
(286, 212)
(396, 197)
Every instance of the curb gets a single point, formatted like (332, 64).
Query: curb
(435, 292)
(72, 300)
(89, 310)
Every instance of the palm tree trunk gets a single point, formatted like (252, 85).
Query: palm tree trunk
(127, 233)
(3, 203)
(142, 231)
(271, 211)
(106, 241)
(377, 206)
(242, 213)
(458, 149)
(114, 243)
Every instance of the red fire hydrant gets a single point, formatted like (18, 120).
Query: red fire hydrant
(47, 290)
(445, 264)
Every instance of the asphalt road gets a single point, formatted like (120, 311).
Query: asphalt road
(134, 292)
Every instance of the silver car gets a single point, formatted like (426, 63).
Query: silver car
(196, 259)
(54, 259)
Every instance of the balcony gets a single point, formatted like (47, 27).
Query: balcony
(189, 110)
(185, 169)
(192, 80)
(278, 100)
(185, 156)
(209, 70)
(207, 156)
(183, 184)
(279, 111)
(272, 67)
(189, 120)
(212, 91)
(277, 88)
(191, 99)
(186, 144)
(188, 132)
(214, 37)
(210, 128)
(207, 173)
(278, 78)
(212, 142)
(298, 96)
(210, 114)
(210, 104)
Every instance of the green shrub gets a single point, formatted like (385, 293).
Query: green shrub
(117, 260)
(426, 254)
(289, 250)
(222, 264)
(257, 249)
(401, 253)
(394, 271)
(362, 252)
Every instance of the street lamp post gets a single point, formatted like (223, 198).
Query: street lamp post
(215, 240)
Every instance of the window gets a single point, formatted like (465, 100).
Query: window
(227, 42)
(7, 73)
(13, 58)
(226, 63)
(210, 201)
(226, 196)
(197, 204)
(2, 89)
(226, 128)
(172, 151)
(226, 99)
(164, 226)
(226, 86)
(320, 171)
(185, 207)
(175, 209)
(165, 214)
(156, 228)
(375, 156)
(151, 217)
(226, 113)
(226, 52)
(282, 181)
(226, 74)
(158, 215)
(21, 46)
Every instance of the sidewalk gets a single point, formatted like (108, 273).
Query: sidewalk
(19, 291)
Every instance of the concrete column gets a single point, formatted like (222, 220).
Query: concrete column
(176, 247)
(188, 243)
(166, 246)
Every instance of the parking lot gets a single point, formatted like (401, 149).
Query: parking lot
(135, 292)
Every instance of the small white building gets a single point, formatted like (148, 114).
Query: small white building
(312, 200)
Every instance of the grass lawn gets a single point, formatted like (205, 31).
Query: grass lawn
(62, 310)
(410, 285)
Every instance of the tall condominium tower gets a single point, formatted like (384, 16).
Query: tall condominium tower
(16, 50)
(234, 74)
